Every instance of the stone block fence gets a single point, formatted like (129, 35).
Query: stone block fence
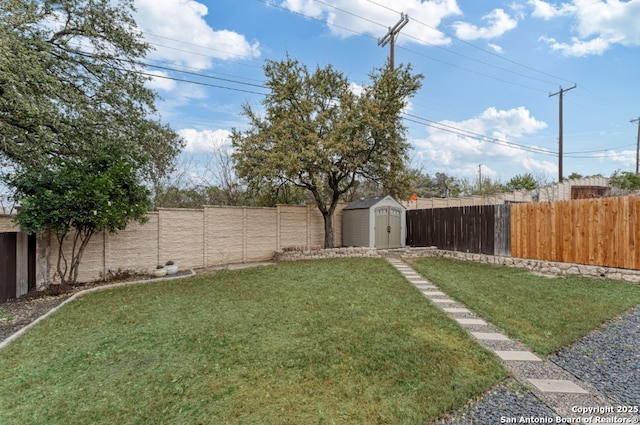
(197, 238)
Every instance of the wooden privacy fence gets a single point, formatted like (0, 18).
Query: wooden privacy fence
(478, 229)
(600, 232)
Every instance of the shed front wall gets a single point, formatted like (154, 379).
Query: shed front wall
(387, 202)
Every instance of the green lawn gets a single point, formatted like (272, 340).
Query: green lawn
(320, 342)
(544, 313)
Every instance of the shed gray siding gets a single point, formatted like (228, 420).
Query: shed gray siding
(359, 222)
(355, 227)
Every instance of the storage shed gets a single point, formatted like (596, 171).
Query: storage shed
(375, 222)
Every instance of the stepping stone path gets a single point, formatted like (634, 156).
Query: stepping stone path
(560, 390)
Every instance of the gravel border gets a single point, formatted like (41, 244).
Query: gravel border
(507, 401)
(608, 358)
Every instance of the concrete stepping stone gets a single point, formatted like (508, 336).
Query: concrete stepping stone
(518, 356)
(489, 336)
(557, 386)
(434, 293)
(464, 321)
(442, 300)
(456, 310)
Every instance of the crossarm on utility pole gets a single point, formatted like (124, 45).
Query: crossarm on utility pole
(390, 37)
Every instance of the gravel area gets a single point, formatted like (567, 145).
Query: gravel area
(609, 359)
(507, 403)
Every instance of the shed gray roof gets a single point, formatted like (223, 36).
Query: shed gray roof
(364, 203)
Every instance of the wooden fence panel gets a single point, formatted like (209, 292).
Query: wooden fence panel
(502, 241)
(600, 232)
(478, 229)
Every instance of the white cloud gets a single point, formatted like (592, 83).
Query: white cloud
(462, 151)
(368, 18)
(204, 140)
(495, 48)
(160, 82)
(356, 89)
(599, 24)
(612, 20)
(306, 7)
(579, 48)
(545, 10)
(499, 22)
(179, 33)
(515, 122)
(627, 159)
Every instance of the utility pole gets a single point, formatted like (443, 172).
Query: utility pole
(637, 144)
(561, 93)
(480, 178)
(390, 37)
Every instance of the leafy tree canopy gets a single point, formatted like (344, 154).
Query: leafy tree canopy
(439, 185)
(575, 176)
(317, 133)
(625, 180)
(70, 82)
(522, 182)
(74, 199)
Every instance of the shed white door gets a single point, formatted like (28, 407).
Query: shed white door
(388, 227)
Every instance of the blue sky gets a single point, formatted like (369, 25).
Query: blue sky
(489, 69)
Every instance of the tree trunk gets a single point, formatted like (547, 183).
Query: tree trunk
(328, 228)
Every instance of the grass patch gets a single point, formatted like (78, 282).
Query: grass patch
(337, 341)
(4, 317)
(544, 313)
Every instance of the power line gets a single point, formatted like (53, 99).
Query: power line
(192, 44)
(262, 86)
(418, 40)
(477, 136)
(272, 4)
(195, 82)
(481, 137)
(473, 45)
(422, 41)
(472, 71)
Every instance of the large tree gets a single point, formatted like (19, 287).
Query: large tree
(76, 198)
(78, 125)
(318, 133)
(71, 81)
